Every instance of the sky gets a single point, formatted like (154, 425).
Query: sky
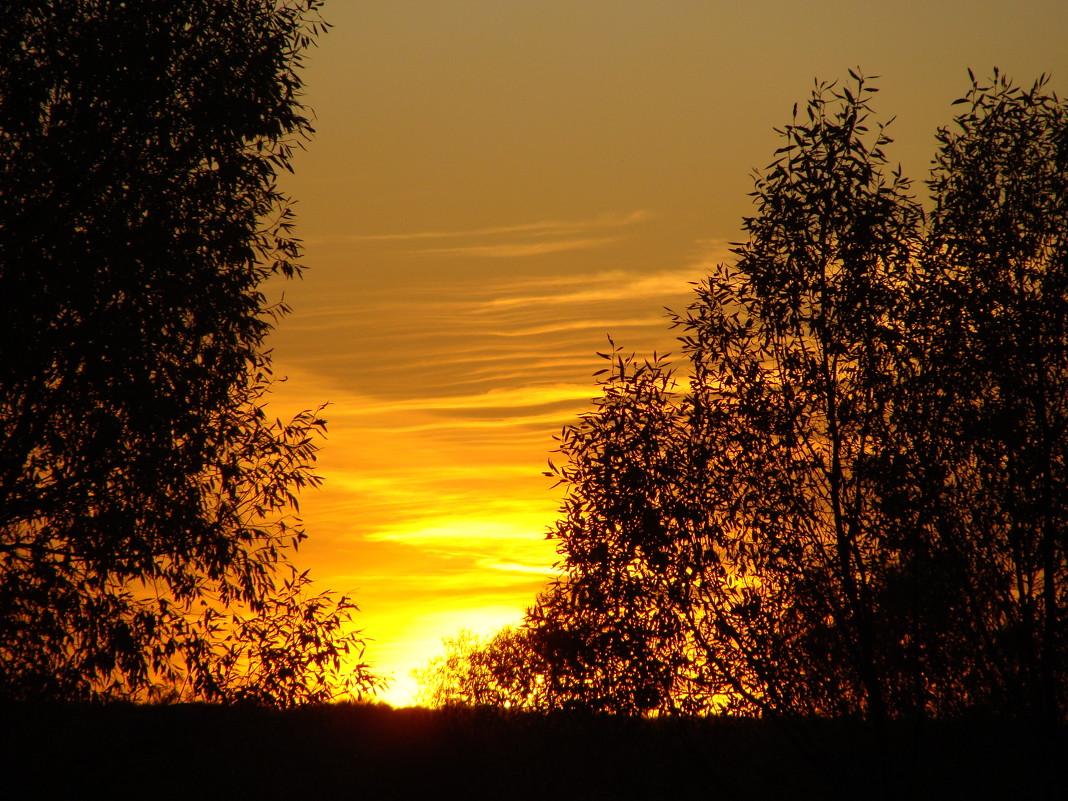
(496, 187)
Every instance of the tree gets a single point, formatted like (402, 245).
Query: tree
(794, 354)
(145, 494)
(610, 623)
(858, 507)
(503, 671)
(998, 334)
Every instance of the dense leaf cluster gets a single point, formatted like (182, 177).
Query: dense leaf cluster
(144, 494)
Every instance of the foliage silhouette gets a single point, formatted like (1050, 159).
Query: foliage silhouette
(998, 333)
(794, 353)
(145, 499)
(611, 621)
(502, 671)
(859, 505)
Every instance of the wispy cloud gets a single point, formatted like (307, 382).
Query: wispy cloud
(598, 324)
(523, 397)
(454, 533)
(522, 240)
(515, 567)
(534, 229)
(514, 250)
(547, 422)
(601, 287)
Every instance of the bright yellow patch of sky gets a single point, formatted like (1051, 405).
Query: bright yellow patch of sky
(494, 187)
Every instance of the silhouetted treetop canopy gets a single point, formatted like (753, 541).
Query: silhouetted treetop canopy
(144, 495)
(856, 504)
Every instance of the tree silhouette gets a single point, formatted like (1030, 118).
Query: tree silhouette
(794, 353)
(504, 670)
(858, 508)
(998, 335)
(610, 624)
(145, 495)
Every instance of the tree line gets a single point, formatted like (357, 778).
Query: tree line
(851, 499)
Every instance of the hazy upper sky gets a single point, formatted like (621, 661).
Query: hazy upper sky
(496, 186)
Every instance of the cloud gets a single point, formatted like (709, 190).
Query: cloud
(603, 287)
(534, 229)
(519, 250)
(600, 324)
(542, 237)
(521, 397)
(549, 422)
(455, 533)
(515, 567)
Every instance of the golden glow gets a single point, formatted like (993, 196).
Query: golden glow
(426, 628)
(493, 188)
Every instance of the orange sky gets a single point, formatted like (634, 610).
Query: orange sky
(497, 185)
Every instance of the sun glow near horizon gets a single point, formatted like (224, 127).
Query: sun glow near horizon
(435, 505)
(495, 188)
(403, 689)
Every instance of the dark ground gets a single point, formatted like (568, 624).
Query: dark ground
(374, 752)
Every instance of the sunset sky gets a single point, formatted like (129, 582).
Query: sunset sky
(495, 187)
